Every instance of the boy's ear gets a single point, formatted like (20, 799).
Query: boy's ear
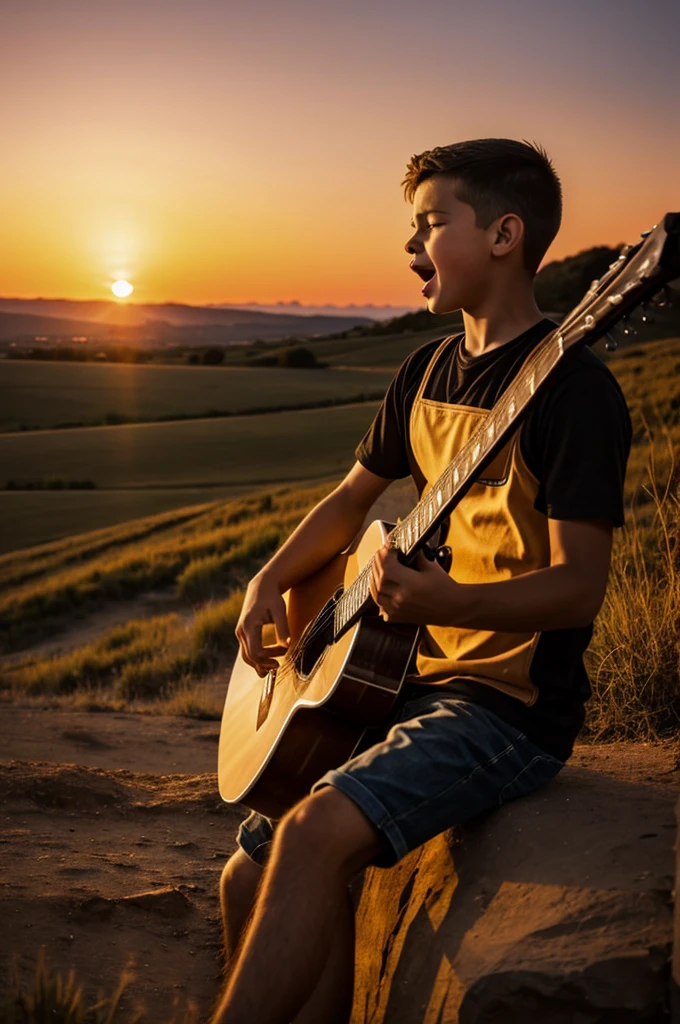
(509, 232)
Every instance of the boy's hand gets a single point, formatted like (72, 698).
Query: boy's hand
(263, 605)
(422, 594)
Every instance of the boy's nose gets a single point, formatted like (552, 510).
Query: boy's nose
(410, 247)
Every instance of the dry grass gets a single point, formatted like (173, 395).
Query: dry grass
(194, 701)
(214, 550)
(53, 997)
(634, 657)
(58, 999)
(146, 659)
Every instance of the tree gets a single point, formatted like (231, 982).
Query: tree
(213, 356)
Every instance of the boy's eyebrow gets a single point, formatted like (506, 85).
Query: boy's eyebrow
(425, 213)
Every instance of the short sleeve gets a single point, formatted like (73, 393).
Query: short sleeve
(384, 449)
(577, 443)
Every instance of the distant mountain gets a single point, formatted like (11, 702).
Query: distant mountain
(300, 309)
(168, 323)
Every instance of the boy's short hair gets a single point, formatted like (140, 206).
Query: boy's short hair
(495, 177)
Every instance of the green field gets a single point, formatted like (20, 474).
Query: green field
(36, 395)
(147, 468)
(253, 450)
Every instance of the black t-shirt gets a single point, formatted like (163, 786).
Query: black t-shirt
(575, 439)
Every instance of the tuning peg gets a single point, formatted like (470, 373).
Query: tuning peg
(610, 342)
(628, 329)
(643, 234)
(662, 299)
(646, 317)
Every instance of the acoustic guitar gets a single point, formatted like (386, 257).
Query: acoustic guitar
(345, 665)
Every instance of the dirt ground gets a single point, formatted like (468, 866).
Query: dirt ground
(112, 842)
(113, 839)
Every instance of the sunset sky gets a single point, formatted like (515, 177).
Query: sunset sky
(215, 151)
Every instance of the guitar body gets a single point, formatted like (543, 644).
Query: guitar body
(281, 733)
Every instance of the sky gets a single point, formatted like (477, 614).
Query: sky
(218, 151)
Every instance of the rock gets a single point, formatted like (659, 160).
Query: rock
(566, 954)
(555, 909)
(168, 901)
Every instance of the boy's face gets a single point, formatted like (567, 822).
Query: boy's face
(449, 248)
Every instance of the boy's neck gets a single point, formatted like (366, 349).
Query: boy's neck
(499, 320)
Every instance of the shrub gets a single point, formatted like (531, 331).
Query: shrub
(298, 357)
(213, 356)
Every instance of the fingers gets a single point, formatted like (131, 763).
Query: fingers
(259, 657)
(384, 589)
(281, 624)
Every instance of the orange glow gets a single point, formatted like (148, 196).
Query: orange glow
(221, 159)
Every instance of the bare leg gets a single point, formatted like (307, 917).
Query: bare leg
(238, 890)
(318, 847)
(331, 1000)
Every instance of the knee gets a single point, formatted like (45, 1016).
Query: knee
(240, 878)
(329, 828)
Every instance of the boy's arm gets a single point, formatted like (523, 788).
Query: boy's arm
(328, 529)
(566, 594)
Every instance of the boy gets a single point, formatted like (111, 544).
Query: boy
(497, 698)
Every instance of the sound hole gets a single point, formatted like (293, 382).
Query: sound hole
(315, 641)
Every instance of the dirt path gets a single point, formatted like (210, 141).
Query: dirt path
(88, 627)
(156, 744)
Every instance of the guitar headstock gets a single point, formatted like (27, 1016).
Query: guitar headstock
(640, 272)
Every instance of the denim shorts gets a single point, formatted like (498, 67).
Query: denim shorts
(438, 762)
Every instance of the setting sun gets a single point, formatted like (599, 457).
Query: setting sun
(122, 289)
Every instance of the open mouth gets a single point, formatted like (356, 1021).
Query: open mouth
(425, 273)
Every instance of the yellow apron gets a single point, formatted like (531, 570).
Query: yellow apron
(495, 534)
